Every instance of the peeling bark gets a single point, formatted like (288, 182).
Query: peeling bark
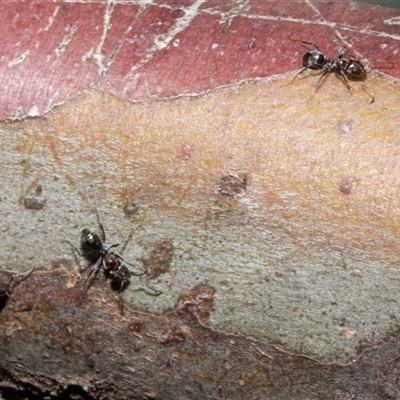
(58, 339)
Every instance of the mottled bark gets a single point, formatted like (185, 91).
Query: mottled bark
(59, 339)
(264, 210)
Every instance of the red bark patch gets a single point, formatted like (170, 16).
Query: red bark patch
(55, 51)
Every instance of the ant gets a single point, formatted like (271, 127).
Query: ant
(347, 69)
(96, 251)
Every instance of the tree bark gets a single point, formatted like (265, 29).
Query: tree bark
(60, 340)
(263, 209)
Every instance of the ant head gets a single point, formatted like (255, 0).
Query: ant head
(314, 59)
(90, 240)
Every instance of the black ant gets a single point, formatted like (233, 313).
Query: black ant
(346, 69)
(96, 251)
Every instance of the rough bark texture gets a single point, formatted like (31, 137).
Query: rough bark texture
(85, 348)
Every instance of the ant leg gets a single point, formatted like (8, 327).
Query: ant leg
(27, 275)
(369, 91)
(95, 268)
(340, 53)
(127, 238)
(103, 234)
(76, 251)
(120, 287)
(124, 240)
(344, 79)
(150, 291)
(8, 294)
(114, 245)
(143, 272)
(8, 289)
(366, 88)
(9, 283)
(322, 78)
(121, 304)
(154, 292)
(93, 272)
(74, 248)
(309, 43)
(304, 69)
